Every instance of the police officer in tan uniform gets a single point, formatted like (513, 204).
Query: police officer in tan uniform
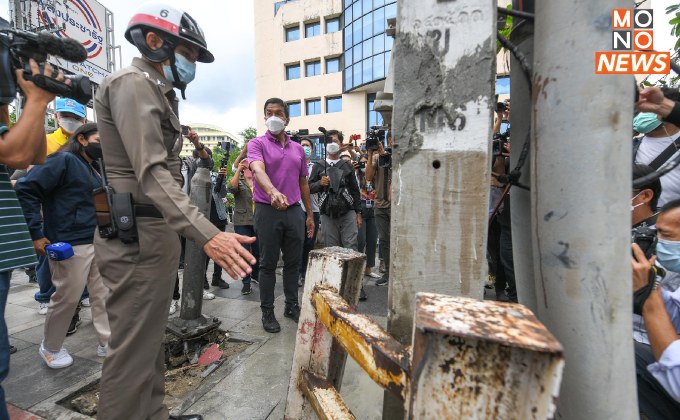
(140, 138)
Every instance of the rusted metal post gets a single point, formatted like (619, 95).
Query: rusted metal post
(580, 191)
(324, 398)
(341, 269)
(444, 71)
(481, 360)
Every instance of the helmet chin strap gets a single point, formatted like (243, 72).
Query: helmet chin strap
(178, 83)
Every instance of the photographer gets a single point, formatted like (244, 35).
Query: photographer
(658, 364)
(21, 146)
(368, 233)
(381, 177)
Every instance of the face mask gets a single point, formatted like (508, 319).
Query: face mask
(94, 151)
(275, 125)
(69, 125)
(668, 254)
(308, 151)
(332, 148)
(185, 68)
(646, 122)
(633, 206)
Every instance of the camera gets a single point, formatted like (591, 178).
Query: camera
(226, 146)
(362, 165)
(185, 130)
(374, 136)
(297, 135)
(645, 237)
(498, 144)
(385, 161)
(17, 47)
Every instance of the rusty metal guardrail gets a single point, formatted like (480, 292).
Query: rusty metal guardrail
(468, 359)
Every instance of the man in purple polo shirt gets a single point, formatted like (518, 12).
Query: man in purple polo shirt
(279, 168)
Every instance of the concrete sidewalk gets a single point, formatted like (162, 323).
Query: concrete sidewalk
(254, 388)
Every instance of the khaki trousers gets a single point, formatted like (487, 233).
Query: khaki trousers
(69, 278)
(141, 277)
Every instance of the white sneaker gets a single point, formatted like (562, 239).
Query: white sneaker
(102, 350)
(373, 275)
(56, 360)
(174, 305)
(42, 309)
(207, 295)
(85, 302)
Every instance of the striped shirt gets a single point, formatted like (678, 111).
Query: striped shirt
(16, 246)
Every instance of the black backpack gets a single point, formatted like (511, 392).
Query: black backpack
(336, 199)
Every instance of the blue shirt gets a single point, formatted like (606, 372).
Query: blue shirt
(667, 369)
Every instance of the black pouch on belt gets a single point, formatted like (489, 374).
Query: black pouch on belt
(124, 215)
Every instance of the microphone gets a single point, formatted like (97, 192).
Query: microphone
(323, 130)
(69, 49)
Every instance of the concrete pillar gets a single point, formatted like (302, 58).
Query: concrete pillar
(581, 181)
(443, 101)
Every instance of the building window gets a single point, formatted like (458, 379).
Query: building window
(292, 71)
(366, 48)
(292, 34)
(332, 65)
(313, 68)
(294, 109)
(334, 104)
(312, 29)
(332, 25)
(313, 106)
(372, 117)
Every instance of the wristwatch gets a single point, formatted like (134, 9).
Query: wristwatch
(200, 146)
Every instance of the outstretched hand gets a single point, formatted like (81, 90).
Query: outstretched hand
(225, 249)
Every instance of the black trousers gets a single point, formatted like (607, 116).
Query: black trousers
(309, 245)
(653, 400)
(279, 232)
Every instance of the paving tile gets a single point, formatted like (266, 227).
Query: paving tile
(30, 381)
(16, 413)
(20, 344)
(27, 326)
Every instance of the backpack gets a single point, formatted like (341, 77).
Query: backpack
(336, 199)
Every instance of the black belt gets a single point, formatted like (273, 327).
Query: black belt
(147, 210)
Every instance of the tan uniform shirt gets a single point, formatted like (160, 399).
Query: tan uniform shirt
(140, 137)
(382, 199)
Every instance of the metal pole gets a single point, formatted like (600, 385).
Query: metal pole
(194, 257)
(520, 118)
(581, 182)
(442, 117)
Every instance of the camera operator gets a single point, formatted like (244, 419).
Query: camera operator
(381, 177)
(20, 147)
(658, 365)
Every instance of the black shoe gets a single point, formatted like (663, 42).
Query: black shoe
(187, 417)
(292, 312)
(269, 322)
(246, 290)
(206, 286)
(220, 283)
(362, 294)
(12, 349)
(75, 323)
(501, 296)
(382, 281)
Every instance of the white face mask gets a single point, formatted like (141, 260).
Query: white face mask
(632, 207)
(332, 148)
(275, 125)
(69, 125)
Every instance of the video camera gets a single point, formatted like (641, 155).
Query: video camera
(499, 142)
(645, 237)
(297, 135)
(17, 47)
(374, 136)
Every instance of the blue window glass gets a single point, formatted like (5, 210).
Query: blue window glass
(313, 68)
(379, 43)
(367, 68)
(367, 48)
(332, 25)
(379, 21)
(334, 104)
(356, 9)
(313, 107)
(295, 109)
(357, 75)
(332, 65)
(503, 86)
(367, 25)
(348, 78)
(378, 3)
(292, 34)
(357, 54)
(373, 118)
(348, 36)
(356, 33)
(391, 11)
(348, 57)
(292, 71)
(312, 29)
(388, 43)
(348, 15)
(348, 3)
(379, 66)
(368, 5)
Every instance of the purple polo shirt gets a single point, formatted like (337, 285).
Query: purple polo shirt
(284, 166)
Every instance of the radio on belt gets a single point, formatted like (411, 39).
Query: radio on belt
(59, 251)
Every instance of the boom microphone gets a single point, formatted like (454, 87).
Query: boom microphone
(69, 49)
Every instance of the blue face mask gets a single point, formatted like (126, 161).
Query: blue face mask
(185, 68)
(308, 151)
(668, 254)
(646, 122)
